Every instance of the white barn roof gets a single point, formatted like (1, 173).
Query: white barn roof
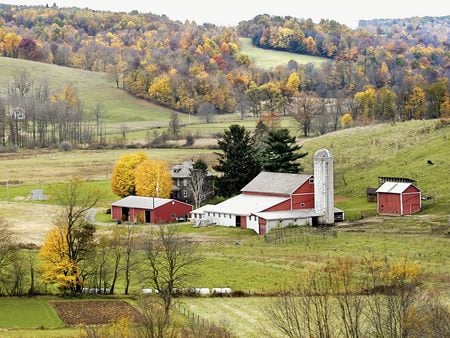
(276, 183)
(291, 214)
(140, 202)
(394, 187)
(243, 205)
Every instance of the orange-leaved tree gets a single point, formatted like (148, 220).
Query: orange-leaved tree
(123, 176)
(153, 179)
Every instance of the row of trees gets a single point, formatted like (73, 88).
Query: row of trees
(200, 69)
(34, 115)
(368, 297)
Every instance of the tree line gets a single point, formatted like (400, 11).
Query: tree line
(396, 72)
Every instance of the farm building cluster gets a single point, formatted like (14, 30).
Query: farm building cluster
(270, 200)
(279, 199)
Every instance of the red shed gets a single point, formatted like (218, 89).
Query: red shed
(149, 210)
(394, 198)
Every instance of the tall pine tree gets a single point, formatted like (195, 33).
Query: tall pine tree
(281, 152)
(238, 163)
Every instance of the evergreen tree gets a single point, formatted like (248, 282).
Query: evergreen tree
(238, 163)
(281, 153)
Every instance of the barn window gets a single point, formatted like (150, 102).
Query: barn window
(214, 214)
(311, 180)
(209, 214)
(302, 204)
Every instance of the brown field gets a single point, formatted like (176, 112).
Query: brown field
(94, 312)
(29, 222)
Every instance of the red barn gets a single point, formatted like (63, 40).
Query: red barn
(394, 198)
(149, 210)
(269, 200)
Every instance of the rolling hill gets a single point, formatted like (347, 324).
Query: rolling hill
(266, 58)
(92, 88)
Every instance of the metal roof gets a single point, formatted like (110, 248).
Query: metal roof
(291, 214)
(182, 170)
(243, 205)
(140, 202)
(394, 187)
(276, 183)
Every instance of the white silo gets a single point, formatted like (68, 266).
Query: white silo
(323, 185)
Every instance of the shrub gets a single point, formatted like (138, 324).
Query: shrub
(65, 146)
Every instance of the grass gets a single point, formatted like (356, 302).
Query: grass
(92, 87)
(28, 313)
(266, 58)
(401, 150)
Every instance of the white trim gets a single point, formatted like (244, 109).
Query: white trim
(401, 204)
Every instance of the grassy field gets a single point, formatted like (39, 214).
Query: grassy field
(92, 87)
(266, 58)
(28, 313)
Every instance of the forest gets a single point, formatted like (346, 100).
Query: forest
(383, 71)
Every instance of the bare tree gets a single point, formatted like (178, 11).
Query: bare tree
(98, 113)
(207, 111)
(170, 257)
(197, 186)
(303, 109)
(130, 262)
(153, 323)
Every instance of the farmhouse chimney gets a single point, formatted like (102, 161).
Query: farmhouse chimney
(323, 185)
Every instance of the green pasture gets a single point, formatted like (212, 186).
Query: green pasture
(362, 154)
(28, 313)
(92, 88)
(266, 58)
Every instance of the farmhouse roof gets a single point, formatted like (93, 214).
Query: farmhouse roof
(182, 170)
(140, 202)
(243, 205)
(276, 183)
(394, 187)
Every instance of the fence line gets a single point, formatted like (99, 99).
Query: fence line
(297, 235)
(200, 321)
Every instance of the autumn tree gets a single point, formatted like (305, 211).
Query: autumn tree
(72, 238)
(238, 161)
(414, 107)
(123, 176)
(281, 153)
(346, 120)
(170, 258)
(153, 179)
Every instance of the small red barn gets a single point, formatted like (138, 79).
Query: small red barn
(394, 198)
(149, 210)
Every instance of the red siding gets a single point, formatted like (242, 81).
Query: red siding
(303, 197)
(166, 213)
(389, 203)
(286, 205)
(262, 226)
(243, 222)
(169, 212)
(411, 200)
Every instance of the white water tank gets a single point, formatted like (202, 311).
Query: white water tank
(324, 186)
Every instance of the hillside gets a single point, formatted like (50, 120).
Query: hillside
(402, 149)
(266, 58)
(92, 88)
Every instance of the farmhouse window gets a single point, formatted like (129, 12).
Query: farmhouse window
(185, 182)
(185, 194)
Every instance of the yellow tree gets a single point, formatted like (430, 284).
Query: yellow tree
(346, 120)
(293, 82)
(415, 105)
(58, 268)
(153, 179)
(123, 176)
(366, 101)
(445, 108)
